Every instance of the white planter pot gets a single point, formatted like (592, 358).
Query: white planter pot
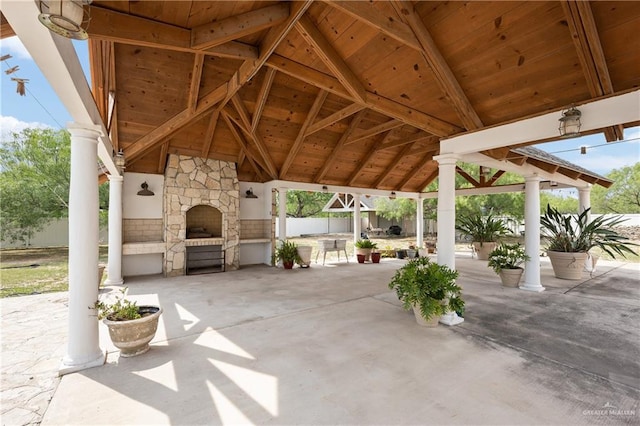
(305, 254)
(567, 266)
(431, 322)
(483, 249)
(511, 277)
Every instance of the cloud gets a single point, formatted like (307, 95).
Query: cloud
(14, 46)
(9, 125)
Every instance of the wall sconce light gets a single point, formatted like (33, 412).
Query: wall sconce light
(145, 191)
(249, 193)
(324, 188)
(392, 196)
(485, 171)
(119, 160)
(570, 123)
(65, 17)
(583, 149)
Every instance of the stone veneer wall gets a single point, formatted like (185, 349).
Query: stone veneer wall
(192, 181)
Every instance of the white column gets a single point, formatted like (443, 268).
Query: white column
(584, 200)
(83, 350)
(114, 270)
(447, 221)
(357, 221)
(282, 213)
(532, 234)
(420, 222)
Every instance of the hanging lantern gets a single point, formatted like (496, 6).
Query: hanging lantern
(570, 123)
(65, 17)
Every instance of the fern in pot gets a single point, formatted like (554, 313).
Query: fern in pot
(428, 288)
(505, 260)
(570, 237)
(287, 253)
(365, 247)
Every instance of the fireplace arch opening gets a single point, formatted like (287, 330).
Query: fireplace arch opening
(204, 222)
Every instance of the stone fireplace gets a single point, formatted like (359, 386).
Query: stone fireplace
(202, 201)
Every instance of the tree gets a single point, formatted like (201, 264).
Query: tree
(35, 168)
(623, 196)
(306, 203)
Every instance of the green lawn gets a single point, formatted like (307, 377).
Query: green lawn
(36, 270)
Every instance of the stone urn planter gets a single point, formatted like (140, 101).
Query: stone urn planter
(305, 256)
(132, 337)
(511, 277)
(567, 265)
(483, 249)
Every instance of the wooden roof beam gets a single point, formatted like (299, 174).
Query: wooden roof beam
(331, 58)
(412, 174)
(400, 142)
(493, 179)
(334, 118)
(261, 101)
(422, 185)
(297, 144)
(273, 38)
(375, 102)
(368, 157)
(160, 133)
(467, 177)
(369, 15)
(234, 27)
(244, 146)
(162, 161)
(441, 70)
(211, 130)
(380, 128)
(196, 76)
(257, 139)
(547, 167)
(589, 49)
(392, 166)
(353, 125)
(128, 29)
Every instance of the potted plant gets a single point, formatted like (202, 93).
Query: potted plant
(131, 327)
(484, 232)
(411, 252)
(365, 247)
(506, 260)
(570, 237)
(428, 288)
(287, 253)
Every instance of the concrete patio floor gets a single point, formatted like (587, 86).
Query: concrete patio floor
(331, 345)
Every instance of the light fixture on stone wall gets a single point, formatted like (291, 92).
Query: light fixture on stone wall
(249, 193)
(68, 18)
(145, 191)
(570, 123)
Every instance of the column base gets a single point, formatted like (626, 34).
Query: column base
(114, 282)
(68, 366)
(535, 288)
(451, 318)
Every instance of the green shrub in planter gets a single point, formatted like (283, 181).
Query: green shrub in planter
(430, 286)
(366, 244)
(507, 256)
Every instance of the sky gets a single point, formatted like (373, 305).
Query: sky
(41, 108)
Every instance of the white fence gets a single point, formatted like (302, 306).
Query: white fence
(54, 234)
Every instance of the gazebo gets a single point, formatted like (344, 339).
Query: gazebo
(209, 102)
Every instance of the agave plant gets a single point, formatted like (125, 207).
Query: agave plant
(482, 229)
(575, 233)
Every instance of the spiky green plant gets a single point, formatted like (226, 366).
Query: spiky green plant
(575, 233)
(429, 285)
(287, 252)
(121, 310)
(365, 244)
(482, 229)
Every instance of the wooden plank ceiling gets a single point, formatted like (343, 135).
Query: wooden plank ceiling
(345, 93)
